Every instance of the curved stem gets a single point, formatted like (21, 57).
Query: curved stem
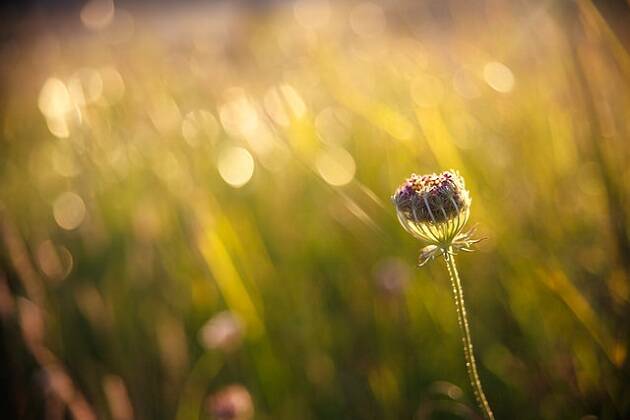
(462, 319)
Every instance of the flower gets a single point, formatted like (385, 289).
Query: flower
(435, 208)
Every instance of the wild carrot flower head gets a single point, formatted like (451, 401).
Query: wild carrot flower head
(433, 198)
(435, 208)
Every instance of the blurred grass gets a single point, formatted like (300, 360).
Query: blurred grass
(178, 163)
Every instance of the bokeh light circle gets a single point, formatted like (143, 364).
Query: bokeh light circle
(236, 166)
(498, 76)
(69, 210)
(336, 166)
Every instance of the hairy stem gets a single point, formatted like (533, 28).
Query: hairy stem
(462, 319)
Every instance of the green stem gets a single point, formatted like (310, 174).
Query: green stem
(462, 319)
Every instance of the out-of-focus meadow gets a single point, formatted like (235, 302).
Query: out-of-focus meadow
(195, 214)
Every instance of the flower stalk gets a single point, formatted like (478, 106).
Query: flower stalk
(462, 320)
(435, 208)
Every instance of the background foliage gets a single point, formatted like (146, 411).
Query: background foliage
(162, 166)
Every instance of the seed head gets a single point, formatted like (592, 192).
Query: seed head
(433, 198)
(435, 208)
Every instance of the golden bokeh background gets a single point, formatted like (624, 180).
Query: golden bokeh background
(195, 214)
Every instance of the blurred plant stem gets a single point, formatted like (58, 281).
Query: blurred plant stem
(462, 320)
(190, 404)
(586, 39)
